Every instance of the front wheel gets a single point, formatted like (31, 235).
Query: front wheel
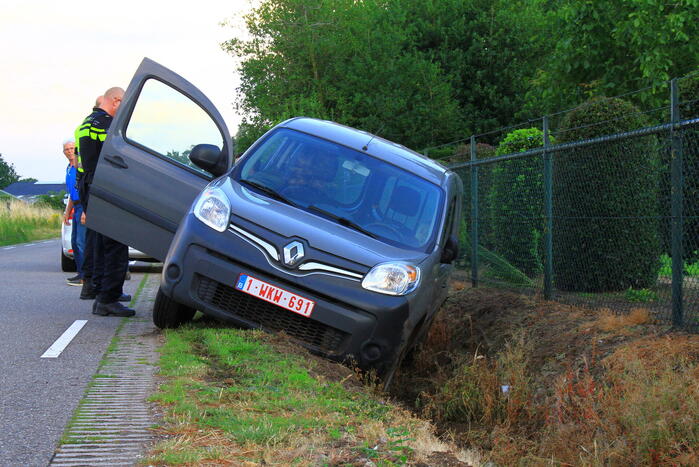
(167, 313)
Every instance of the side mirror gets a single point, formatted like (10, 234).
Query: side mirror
(451, 250)
(209, 158)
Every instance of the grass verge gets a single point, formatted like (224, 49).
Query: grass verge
(21, 222)
(237, 397)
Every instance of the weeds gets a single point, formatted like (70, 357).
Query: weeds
(485, 391)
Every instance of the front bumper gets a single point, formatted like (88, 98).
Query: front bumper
(347, 322)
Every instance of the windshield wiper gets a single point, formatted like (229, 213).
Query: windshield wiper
(341, 220)
(272, 193)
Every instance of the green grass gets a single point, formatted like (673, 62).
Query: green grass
(232, 386)
(21, 223)
(640, 295)
(690, 269)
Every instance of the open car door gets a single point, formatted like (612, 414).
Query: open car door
(145, 182)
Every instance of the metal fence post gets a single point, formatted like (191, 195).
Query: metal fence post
(548, 212)
(677, 186)
(474, 215)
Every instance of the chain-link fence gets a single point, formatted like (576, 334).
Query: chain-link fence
(596, 206)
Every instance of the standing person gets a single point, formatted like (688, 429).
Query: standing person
(77, 238)
(106, 260)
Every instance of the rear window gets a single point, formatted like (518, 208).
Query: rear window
(390, 203)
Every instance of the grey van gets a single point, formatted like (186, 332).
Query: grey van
(339, 238)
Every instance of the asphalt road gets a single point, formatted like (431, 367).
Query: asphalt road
(38, 395)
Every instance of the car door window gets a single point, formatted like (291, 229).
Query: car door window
(170, 124)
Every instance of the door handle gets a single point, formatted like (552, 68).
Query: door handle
(117, 161)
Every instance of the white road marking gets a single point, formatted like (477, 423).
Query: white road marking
(8, 247)
(63, 341)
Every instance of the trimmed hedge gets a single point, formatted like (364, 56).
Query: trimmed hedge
(606, 202)
(517, 202)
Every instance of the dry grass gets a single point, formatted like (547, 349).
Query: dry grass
(614, 322)
(586, 387)
(482, 390)
(21, 222)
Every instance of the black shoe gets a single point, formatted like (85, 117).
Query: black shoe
(125, 298)
(74, 278)
(75, 282)
(88, 292)
(112, 309)
(94, 309)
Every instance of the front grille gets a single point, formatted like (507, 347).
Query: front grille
(268, 316)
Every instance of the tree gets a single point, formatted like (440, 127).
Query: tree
(489, 51)
(610, 47)
(8, 175)
(352, 62)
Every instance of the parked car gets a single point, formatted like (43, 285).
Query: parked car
(67, 259)
(339, 238)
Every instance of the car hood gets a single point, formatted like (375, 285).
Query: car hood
(320, 233)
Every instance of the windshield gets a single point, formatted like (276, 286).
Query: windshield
(347, 186)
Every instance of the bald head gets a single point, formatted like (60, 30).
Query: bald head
(98, 101)
(111, 100)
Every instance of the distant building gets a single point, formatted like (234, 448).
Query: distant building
(28, 191)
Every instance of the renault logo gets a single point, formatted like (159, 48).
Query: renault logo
(293, 253)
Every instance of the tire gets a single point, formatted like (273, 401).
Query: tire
(389, 373)
(67, 264)
(168, 314)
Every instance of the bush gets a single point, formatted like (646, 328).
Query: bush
(605, 202)
(52, 200)
(517, 202)
(442, 154)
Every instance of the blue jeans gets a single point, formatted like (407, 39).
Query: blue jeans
(77, 239)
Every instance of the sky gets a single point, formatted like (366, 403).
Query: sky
(58, 56)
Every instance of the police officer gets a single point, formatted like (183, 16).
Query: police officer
(106, 260)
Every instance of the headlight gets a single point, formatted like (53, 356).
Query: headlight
(392, 278)
(214, 209)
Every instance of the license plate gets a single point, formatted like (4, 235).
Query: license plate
(276, 295)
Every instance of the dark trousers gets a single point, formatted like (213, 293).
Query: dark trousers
(89, 255)
(111, 263)
(105, 265)
(106, 260)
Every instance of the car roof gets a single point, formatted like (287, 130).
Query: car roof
(376, 146)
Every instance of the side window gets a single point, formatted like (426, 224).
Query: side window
(170, 124)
